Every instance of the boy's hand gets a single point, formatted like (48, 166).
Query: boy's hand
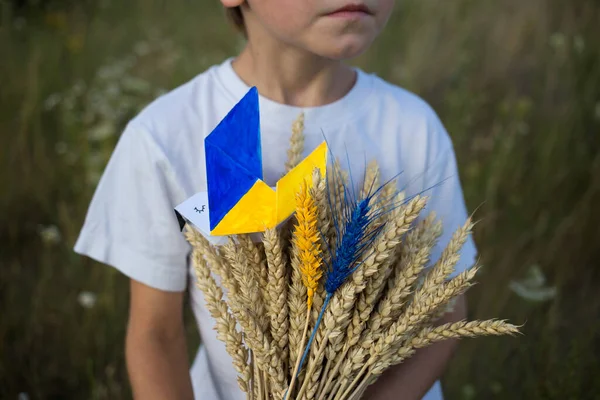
(156, 349)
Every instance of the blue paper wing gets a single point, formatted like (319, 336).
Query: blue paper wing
(233, 157)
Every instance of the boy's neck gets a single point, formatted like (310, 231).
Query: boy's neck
(293, 77)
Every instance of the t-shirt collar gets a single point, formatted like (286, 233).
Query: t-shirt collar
(320, 117)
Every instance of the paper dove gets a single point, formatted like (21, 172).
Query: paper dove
(238, 200)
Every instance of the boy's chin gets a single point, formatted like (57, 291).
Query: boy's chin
(341, 50)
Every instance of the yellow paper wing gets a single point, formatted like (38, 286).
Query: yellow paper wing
(288, 186)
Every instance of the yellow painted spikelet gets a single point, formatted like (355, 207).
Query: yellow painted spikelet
(306, 238)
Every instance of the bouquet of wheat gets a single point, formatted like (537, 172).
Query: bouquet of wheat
(329, 300)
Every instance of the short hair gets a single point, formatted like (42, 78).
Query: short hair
(234, 14)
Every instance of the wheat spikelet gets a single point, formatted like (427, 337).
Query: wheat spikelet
(306, 239)
(371, 180)
(296, 308)
(296, 144)
(277, 287)
(425, 234)
(231, 261)
(225, 322)
(455, 330)
(257, 263)
(337, 181)
(216, 261)
(450, 256)
(251, 277)
(260, 273)
(353, 362)
(491, 327)
(428, 231)
(337, 335)
(318, 192)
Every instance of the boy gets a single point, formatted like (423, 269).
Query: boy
(293, 56)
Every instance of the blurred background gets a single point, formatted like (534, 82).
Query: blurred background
(517, 84)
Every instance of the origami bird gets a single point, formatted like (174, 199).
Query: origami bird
(239, 201)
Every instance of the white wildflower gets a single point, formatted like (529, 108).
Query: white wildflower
(102, 131)
(137, 85)
(52, 101)
(87, 299)
(49, 234)
(533, 287)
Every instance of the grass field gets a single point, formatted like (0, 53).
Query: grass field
(517, 84)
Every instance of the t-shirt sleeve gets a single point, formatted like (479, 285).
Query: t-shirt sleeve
(444, 190)
(130, 224)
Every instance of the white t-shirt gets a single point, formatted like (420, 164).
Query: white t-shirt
(159, 162)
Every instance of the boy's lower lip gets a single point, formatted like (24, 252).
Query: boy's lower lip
(349, 14)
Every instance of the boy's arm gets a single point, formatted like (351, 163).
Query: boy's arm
(156, 350)
(412, 379)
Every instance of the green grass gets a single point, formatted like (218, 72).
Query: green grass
(516, 83)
